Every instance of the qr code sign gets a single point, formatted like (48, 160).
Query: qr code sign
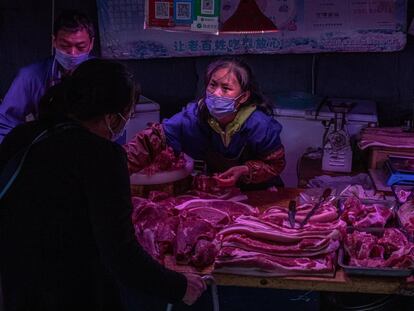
(162, 10)
(183, 10)
(207, 6)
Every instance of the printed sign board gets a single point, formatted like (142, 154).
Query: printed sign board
(176, 28)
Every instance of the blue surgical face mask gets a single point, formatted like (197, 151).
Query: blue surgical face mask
(70, 62)
(220, 107)
(116, 135)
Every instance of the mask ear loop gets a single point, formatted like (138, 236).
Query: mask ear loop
(122, 117)
(109, 128)
(237, 103)
(240, 95)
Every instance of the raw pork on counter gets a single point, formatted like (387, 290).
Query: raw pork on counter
(239, 261)
(360, 215)
(165, 161)
(406, 216)
(200, 230)
(206, 187)
(326, 213)
(268, 246)
(184, 226)
(389, 249)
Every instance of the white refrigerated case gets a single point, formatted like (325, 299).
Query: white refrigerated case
(146, 111)
(302, 116)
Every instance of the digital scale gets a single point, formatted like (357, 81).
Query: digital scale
(337, 150)
(399, 170)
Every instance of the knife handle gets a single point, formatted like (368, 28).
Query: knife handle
(292, 205)
(326, 193)
(292, 213)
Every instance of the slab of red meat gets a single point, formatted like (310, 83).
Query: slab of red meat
(266, 245)
(205, 183)
(156, 196)
(155, 227)
(199, 221)
(187, 227)
(238, 261)
(215, 216)
(306, 247)
(406, 217)
(147, 214)
(360, 245)
(166, 235)
(205, 253)
(166, 160)
(361, 215)
(391, 249)
(257, 228)
(278, 215)
(172, 201)
(403, 194)
(189, 232)
(233, 209)
(206, 187)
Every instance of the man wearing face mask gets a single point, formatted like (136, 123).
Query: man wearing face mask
(73, 38)
(231, 128)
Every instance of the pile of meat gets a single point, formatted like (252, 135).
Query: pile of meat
(185, 226)
(390, 248)
(402, 194)
(205, 187)
(406, 217)
(206, 183)
(388, 137)
(165, 161)
(148, 154)
(201, 229)
(266, 245)
(359, 215)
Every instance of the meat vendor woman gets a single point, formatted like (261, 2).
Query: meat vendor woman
(231, 128)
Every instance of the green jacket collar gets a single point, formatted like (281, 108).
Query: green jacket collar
(234, 126)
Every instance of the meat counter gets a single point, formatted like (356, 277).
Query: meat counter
(340, 283)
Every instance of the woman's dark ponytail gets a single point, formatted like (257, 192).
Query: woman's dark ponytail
(97, 87)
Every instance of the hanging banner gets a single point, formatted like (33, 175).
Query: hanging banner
(134, 29)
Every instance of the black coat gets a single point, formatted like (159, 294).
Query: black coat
(66, 232)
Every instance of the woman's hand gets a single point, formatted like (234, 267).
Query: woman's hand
(231, 176)
(195, 287)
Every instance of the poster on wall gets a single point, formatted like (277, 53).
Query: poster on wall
(138, 29)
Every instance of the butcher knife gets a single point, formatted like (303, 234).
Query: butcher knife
(291, 213)
(326, 193)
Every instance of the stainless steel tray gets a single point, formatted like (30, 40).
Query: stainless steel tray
(365, 271)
